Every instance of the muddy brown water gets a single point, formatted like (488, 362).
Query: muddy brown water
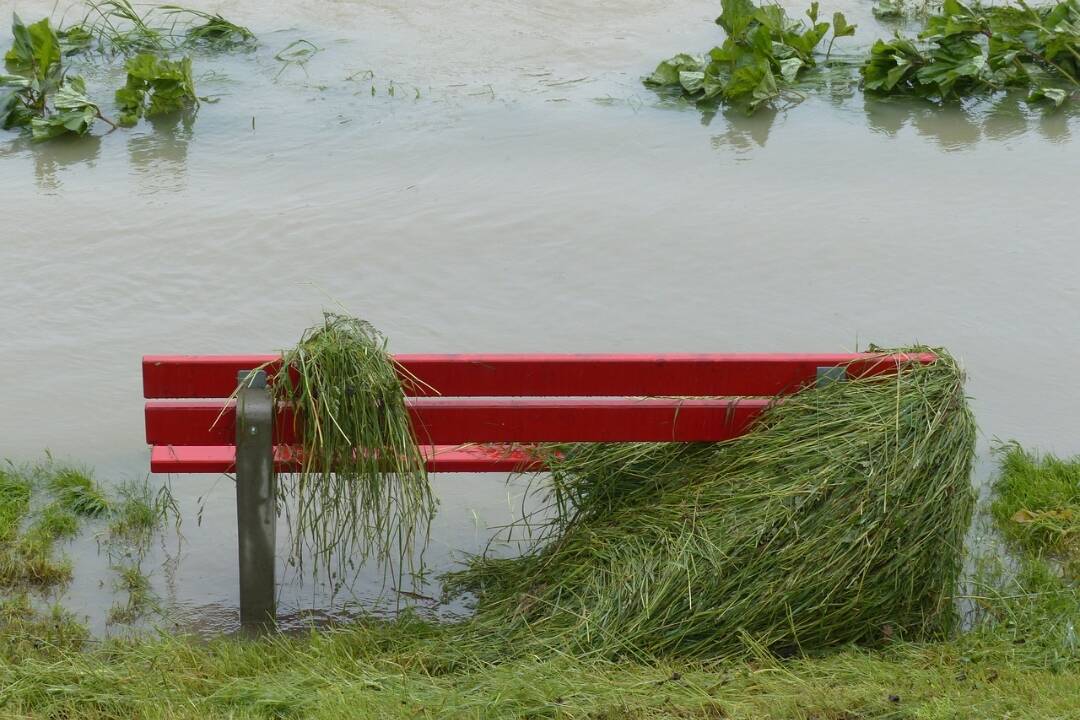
(519, 191)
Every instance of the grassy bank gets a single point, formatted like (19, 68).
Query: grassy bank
(1019, 659)
(1006, 668)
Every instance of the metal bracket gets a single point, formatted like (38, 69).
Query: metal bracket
(829, 374)
(256, 499)
(251, 379)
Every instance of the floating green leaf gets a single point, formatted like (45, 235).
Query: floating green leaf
(840, 29)
(736, 16)
(12, 111)
(36, 51)
(37, 97)
(891, 64)
(1055, 95)
(667, 72)
(963, 50)
(74, 112)
(74, 39)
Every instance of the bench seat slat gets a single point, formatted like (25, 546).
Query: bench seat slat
(452, 421)
(546, 375)
(442, 458)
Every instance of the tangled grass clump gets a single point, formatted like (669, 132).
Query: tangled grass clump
(840, 518)
(362, 489)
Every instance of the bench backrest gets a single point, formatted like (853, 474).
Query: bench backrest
(493, 401)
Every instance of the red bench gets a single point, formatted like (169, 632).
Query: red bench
(470, 413)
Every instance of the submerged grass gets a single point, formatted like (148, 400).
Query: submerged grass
(27, 632)
(211, 30)
(44, 503)
(839, 519)
(140, 598)
(14, 503)
(120, 27)
(29, 562)
(362, 491)
(57, 521)
(296, 53)
(1037, 504)
(77, 491)
(26, 555)
(139, 511)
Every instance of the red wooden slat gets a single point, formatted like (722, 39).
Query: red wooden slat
(450, 421)
(209, 376)
(441, 458)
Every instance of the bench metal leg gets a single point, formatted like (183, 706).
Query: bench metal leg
(256, 500)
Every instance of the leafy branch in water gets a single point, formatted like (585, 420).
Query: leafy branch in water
(962, 51)
(155, 86)
(37, 95)
(759, 62)
(966, 50)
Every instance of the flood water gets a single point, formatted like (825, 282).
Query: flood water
(519, 191)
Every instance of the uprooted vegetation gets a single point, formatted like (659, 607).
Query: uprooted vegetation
(969, 50)
(41, 95)
(840, 518)
(117, 27)
(767, 58)
(361, 490)
(760, 62)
